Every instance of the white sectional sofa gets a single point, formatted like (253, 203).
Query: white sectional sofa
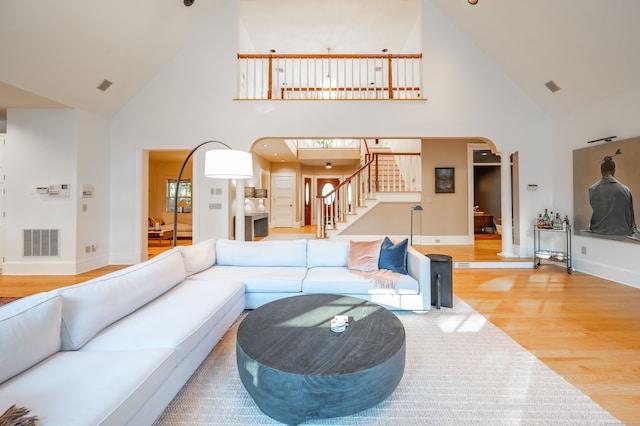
(115, 350)
(272, 270)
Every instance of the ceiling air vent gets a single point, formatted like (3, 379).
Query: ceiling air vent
(552, 86)
(104, 85)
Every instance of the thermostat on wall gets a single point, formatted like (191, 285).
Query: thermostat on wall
(60, 190)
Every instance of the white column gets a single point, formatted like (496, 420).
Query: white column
(506, 202)
(240, 183)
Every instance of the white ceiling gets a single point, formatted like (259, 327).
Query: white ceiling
(55, 53)
(588, 47)
(62, 50)
(344, 26)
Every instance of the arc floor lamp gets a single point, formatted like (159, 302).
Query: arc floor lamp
(218, 163)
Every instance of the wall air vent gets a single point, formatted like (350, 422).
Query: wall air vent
(552, 86)
(104, 85)
(41, 242)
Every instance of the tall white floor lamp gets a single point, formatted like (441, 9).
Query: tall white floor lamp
(218, 163)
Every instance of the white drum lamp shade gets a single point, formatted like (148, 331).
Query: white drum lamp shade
(228, 164)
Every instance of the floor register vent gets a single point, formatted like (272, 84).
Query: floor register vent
(41, 242)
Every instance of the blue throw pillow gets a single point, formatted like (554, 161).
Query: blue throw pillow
(394, 256)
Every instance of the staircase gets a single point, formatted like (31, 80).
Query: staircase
(385, 168)
(380, 179)
(360, 213)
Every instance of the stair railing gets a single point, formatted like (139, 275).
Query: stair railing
(343, 199)
(363, 184)
(409, 166)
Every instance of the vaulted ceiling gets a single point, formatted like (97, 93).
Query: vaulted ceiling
(55, 53)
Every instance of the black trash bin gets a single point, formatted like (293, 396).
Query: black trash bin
(441, 280)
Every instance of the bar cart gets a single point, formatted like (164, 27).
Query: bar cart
(543, 238)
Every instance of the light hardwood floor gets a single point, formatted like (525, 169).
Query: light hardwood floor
(585, 328)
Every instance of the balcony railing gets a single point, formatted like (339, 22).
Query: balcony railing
(329, 77)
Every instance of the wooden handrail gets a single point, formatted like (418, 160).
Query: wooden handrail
(347, 89)
(321, 219)
(328, 56)
(344, 89)
(364, 166)
(335, 209)
(366, 146)
(396, 153)
(346, 181)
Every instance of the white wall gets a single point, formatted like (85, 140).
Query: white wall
(191, 100)
(57, 146)
(93, 165)
(617, 116)
(40, 151)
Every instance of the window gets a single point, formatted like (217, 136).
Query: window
(184, 196)
(327, 188)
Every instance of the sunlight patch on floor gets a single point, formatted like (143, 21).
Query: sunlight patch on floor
(469, 323)
(503, 283)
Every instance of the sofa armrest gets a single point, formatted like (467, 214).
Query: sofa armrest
(419, 267)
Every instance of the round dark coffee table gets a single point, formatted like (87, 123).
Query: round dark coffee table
(295, 368)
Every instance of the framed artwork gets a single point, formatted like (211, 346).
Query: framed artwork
(445, 180)
(613, 215)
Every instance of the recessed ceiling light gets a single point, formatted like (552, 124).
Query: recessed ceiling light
(473, 1)
(275, 154)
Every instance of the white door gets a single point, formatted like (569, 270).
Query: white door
(283, 198)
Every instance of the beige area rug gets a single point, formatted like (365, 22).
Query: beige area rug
(460, 370)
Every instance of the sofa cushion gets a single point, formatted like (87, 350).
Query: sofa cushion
(393, 257)
(179, 319)
(29, 333)
(89, 388)
(364, 255)
(327, 253)
(198, 257)
(261, 253)
(91, 306)
(340, 280)
(258, 279)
